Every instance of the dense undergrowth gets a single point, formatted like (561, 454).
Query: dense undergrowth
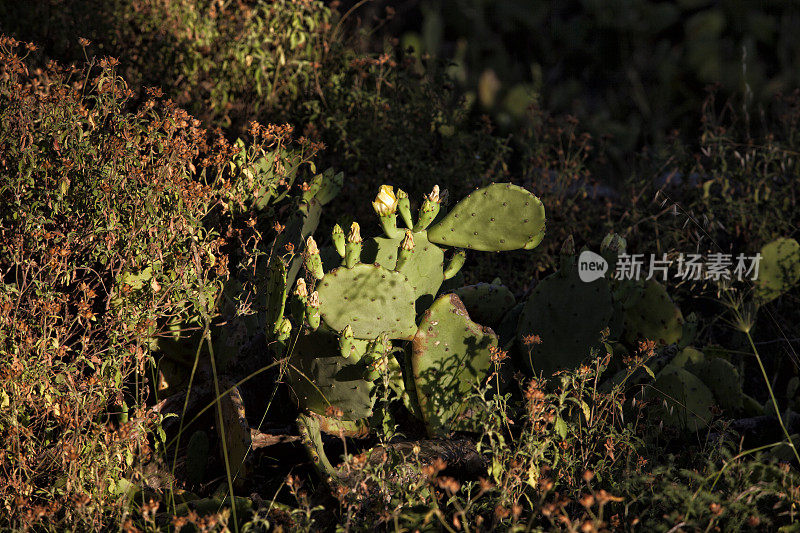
(130, 216)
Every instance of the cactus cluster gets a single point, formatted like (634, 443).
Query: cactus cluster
(370, 316)
(362, 301)
(687, 389)
(566, 319)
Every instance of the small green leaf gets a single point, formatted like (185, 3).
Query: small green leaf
(647, 369)
(586, 411)
(561, 427)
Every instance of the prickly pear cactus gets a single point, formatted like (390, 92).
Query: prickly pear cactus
(681, 400)
(487, 302)
(370, 299)
(320, 378)
(650, 314)
(451, 354)
(345, 327)
(779, 269)
(722, 378)
(499, 217)
(568, 316)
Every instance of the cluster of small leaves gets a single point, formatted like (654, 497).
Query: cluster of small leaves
(566, 433)
(104, 218)
(227, 63)
(737, 493)
(291, 61)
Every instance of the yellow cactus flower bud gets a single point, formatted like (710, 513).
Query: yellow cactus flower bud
(300, 289)
(311, 245)
(408, 241)
(386, 202)
(434, 195)
(355, 233)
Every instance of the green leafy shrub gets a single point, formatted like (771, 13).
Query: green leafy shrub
(111, 224)
(226, 63)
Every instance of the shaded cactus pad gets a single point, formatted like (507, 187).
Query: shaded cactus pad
(450, 355)
(319, 378)
(371, 299)
(498, 217)
(722, 378)
(652, 315)
(486, 302)
(568, 315)
(688, 400)
(779, 269)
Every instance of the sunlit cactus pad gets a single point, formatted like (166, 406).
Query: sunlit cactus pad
(371, 299)
(451, 355)
(498, 217)
(424, 269)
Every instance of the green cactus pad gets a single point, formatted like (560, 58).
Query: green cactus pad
(751, 407)
(688, 400)
(498, 217)
(688, 356)
(779, 269)
(231, 418)
(568, 315)
(450, 355)
(319, 378)
(723, 379)
(300, 225)
(371, 298)
(486, 302)
(652, 315)
(424, 269)
(277, 290)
